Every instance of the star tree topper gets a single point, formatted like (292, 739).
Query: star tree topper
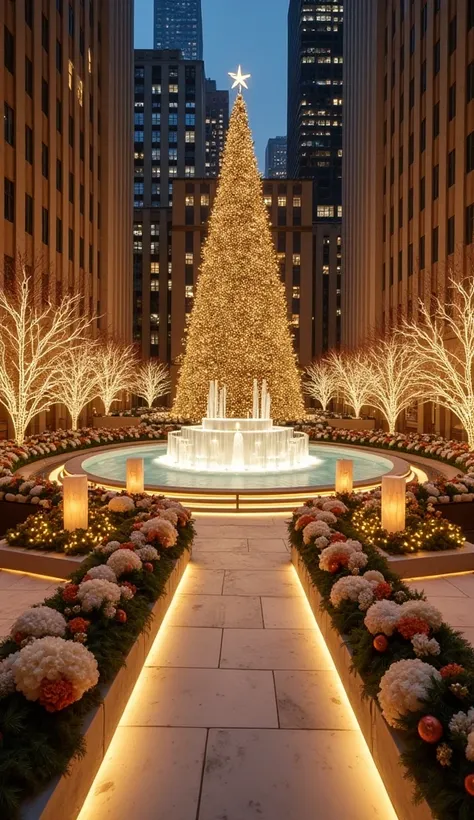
(239, 79)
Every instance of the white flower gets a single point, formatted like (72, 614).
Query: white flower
(424, 610)
(404, 687)
(314, 530)
(470, 746)
(103, 572)
(148, 553)
(383, 616)
(167, 534)
(422, 645)
(54, 659)
(38, 622)
(121, 504)
(92, 594)
(462, 723)
(329, 553)
(170, 515)
(356, 545)
(365, 599)
(431, 489)
(349, 588)
(110, 547)
(143, 503)
(321, 542)
(374, 575)
(123, 561)
(326, 516)
(357, 560)
(138, 537)
(334, 505)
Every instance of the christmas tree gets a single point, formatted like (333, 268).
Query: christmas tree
(238, 329)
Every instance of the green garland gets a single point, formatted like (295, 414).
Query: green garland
(442, 786)
(37, 746)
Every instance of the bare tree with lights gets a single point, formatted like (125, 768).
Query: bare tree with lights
(442, 341)
(352, 377)
(34, 335)
(115, 366)
(322, 382)
(394, 376)
(152, 381)
(77, 381)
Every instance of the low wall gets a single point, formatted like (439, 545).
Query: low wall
(385, 744)
(351, 424)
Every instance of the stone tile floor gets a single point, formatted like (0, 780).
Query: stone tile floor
(238, 713)
(18, 591)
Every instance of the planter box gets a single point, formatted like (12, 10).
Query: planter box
(426, 564)
(460, 513)
(384, 743)
(65, 796)
(13, 513)
(114, 422)
(38, 562)
(351, 424)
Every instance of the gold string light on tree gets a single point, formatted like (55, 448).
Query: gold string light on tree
(239, 329)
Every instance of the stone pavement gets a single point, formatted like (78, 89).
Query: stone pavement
(238, 713)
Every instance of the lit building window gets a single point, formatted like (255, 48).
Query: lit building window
(138, 229)
(296, 291)
(190, 136)
(138, 155)
(154, 338)
(156, 89)
(70, 73)
(296, 202)
(155, 170)
(339, 210)
(189, 259)
(189, 171)
(138, 246)
(282, 201)
(326, 270)
(80, 91)
(189, 291)
(89, 60)
(154, 319)
(170, 271)
(267, 200)
(172, 171)
(154, 284)
(204, 199)
(296, 259)
(173, 89)
(154, 247)
(295, 320)
(325, 211)
(154, 267)
(155, 229)
(189, 200)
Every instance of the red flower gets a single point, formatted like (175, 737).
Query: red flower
(451, 670)
(382, 590)
(408, 627)
(78, 625)
(18, 637)
(303, 521)
(56, 694)
(337, 536)
(128, 545)
(70, 592)
(132, 587)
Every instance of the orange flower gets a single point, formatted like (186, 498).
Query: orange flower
(451, 670)
(408, 627)
(56, 694)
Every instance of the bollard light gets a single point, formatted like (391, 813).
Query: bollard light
(135, 475)
(344, 475)
(75, 502)
(393, 503)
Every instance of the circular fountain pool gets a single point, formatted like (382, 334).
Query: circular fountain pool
(226, 491)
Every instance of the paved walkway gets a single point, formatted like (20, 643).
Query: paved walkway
(238, 713)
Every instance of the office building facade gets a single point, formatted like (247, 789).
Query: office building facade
(408, 162)
(217, 123)
(169, 143)
(275, 158)
(177, 24)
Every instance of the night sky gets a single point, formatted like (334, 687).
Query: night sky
(252, 33)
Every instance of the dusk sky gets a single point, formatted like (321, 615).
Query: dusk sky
(252, 33)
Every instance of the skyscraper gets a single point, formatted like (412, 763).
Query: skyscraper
(178, 25)
(169, 142)
(275, 158)
(217, 123)
(315, 43)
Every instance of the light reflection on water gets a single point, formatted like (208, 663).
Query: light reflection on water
(111, 466)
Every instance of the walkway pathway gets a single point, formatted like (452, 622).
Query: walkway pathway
(238, 713)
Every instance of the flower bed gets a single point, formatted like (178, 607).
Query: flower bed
(418, 670)
(59, 653)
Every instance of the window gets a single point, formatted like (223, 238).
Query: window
(29, 144)
(422, 252)
(451, 167)
(59, 175)
(424, 20)
(29, 214)
(81, 252)
(282, 201)
(45, 97)
(452, 102)
(450, 235)
(436, 182)
(470, 82)
(71, 21)
(325, 211)
(9, 49)
(410, 203)
(71, 131)
(434, 245)
(173, 119)
(189, 201)
(70, 71)
(423, 135)
(470, 152)
(189, 259)
(452, 35)
(29, 13)
(436, 57)
(296, 202)
(45, 160)
(45, 32)
(9, 124)
(436, 120)
(45, 226)
(190, 136)
(410, 259)
(204, 200)
(81, 199)
(470, 224)
(423, 77)
(411, 149)
(59, 57)
(28, 77)
(190, 119)
(470, 13)
(59, 116)
(412, 39)
(80, 91)
(189, 171)
(9, 200)
(71, 187)
(71, 245)
(411, 93)
(154, 283)
(422, 194)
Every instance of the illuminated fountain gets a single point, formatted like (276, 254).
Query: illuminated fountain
(222, 444)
